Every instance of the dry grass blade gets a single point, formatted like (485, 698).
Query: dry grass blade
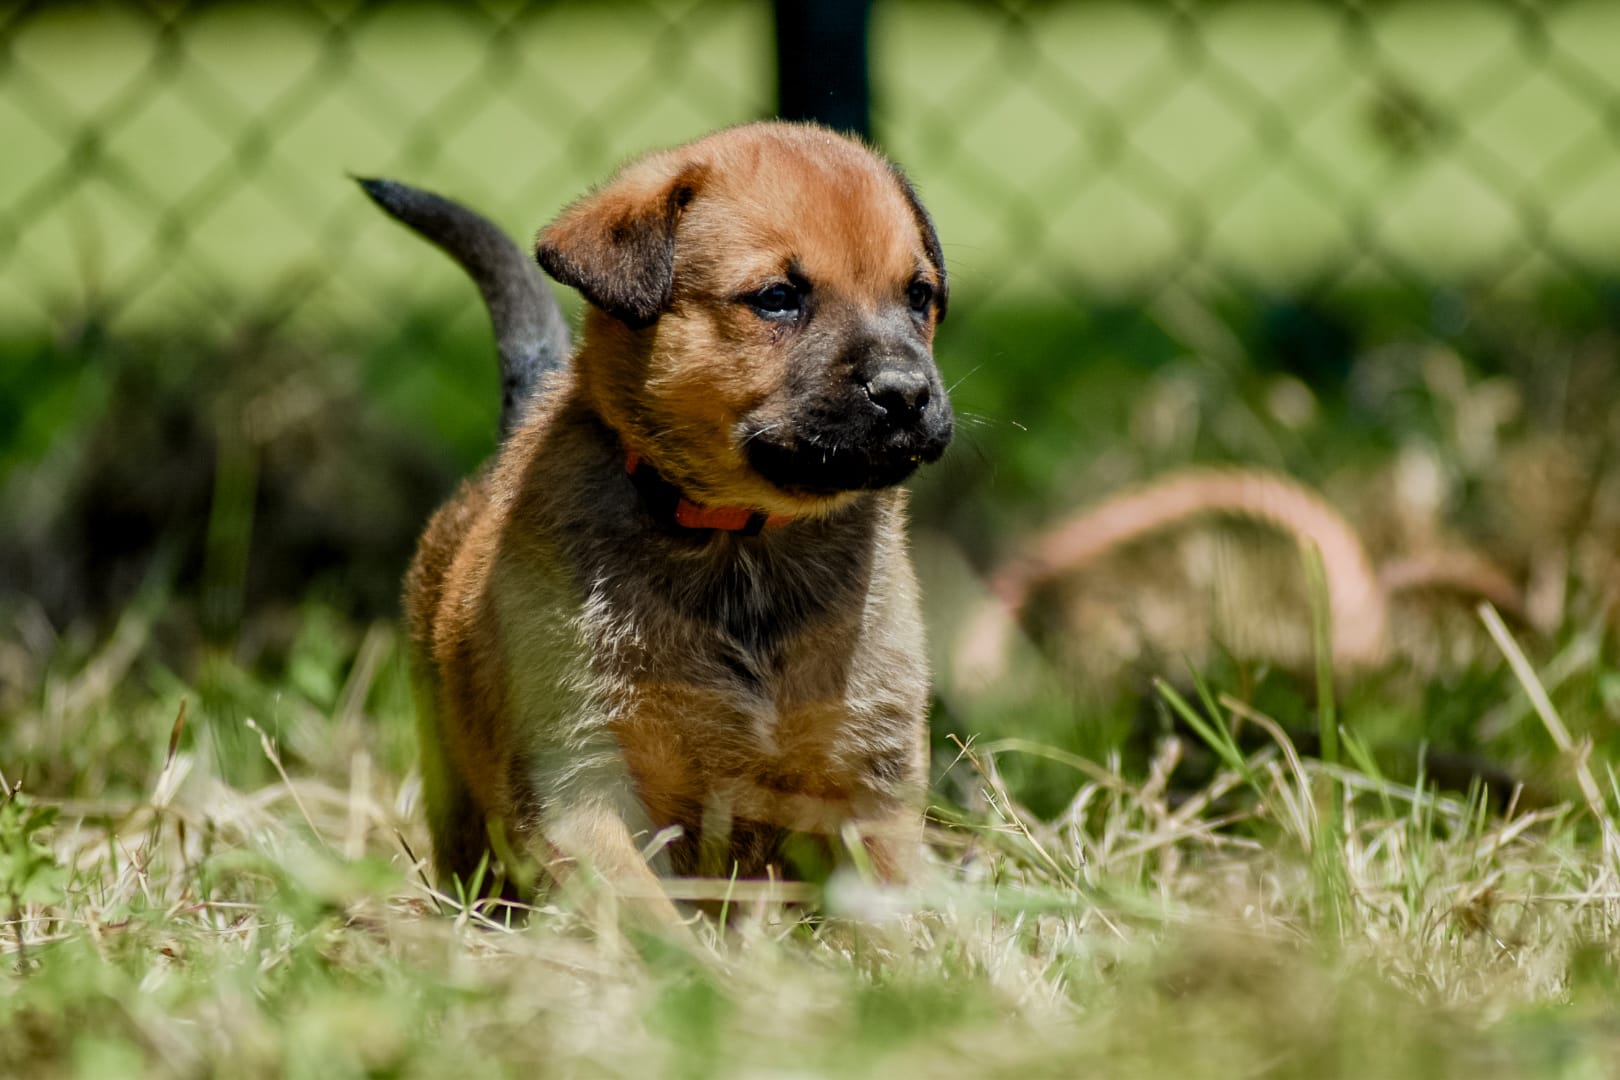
(1577, 755)
(274, 756)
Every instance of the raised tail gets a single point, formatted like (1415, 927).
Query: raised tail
(531, 334)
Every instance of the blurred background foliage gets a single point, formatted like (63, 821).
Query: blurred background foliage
(1371, 246)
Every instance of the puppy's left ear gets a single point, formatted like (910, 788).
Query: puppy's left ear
(930, 239)
(616, 245)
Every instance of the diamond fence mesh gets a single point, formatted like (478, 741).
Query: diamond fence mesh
(1304, 145)
(182, 165)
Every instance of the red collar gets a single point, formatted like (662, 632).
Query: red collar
(666, 500)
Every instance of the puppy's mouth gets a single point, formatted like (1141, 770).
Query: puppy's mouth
(818, 463)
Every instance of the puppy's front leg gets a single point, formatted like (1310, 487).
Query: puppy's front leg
(893, 845)
(591, 837)
(569, 776)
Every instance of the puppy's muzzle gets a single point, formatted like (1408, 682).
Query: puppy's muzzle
(870, 429)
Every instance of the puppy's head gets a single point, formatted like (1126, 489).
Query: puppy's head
(763, 304)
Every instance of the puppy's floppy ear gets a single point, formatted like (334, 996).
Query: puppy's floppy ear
(930, 239)
(616, 245)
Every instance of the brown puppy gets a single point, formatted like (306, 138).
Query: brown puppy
(681, 595)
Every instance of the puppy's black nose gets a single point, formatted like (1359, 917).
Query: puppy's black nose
(901, 394)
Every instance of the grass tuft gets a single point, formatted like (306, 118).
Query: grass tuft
(1154, 926)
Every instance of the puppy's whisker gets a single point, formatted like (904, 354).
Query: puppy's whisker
(951, 389)
(989, 421)
(766, 430)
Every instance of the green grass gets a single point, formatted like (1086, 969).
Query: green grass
(246, 902)
(1125, 880)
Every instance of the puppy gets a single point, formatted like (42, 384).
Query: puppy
(681, 595)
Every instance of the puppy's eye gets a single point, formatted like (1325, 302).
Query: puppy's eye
(780, 300)
(920, 296)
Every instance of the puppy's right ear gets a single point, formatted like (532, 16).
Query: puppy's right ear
(616, 245)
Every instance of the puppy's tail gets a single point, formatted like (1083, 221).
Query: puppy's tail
(530, 331)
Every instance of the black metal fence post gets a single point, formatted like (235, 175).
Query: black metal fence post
(821, 63)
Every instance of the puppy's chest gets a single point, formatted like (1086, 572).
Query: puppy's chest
(789, 663)
(762, 695)
(831, 710)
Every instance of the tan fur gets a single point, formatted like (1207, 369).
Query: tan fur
(584, 687)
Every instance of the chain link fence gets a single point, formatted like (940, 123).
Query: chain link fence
(182, 165)
(1127, 147)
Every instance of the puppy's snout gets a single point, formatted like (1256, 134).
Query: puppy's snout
(902, 394)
